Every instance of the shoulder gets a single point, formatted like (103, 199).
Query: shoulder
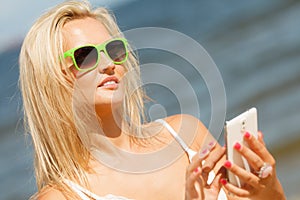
(184, 122)
(183, 118)
(190, 129)
(50, 193)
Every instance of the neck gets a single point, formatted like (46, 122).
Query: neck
(113, 127)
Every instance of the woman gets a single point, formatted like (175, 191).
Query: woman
(84, 109)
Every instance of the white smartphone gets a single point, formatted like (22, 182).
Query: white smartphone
(234, 132)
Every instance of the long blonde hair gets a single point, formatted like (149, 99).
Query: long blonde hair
(47, 95)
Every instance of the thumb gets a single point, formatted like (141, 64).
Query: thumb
(216, 184)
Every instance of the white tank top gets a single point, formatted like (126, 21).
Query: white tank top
(87, 195)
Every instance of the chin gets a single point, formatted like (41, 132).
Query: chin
(111, 101)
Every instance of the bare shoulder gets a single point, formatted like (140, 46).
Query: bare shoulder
(50, 193)
(184, 122)
(183, 118)
(190, 129)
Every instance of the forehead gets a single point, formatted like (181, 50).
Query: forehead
(84, 31)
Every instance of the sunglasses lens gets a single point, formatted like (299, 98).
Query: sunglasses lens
(116, 50)
(86, 57)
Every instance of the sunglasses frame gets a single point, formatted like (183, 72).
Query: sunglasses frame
(99, 48)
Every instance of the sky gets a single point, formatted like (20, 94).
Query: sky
(17, 16)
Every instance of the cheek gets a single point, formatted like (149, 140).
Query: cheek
(85, 81)
(120, 72)
(85, 85)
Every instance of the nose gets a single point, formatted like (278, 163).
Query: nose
(106, 65)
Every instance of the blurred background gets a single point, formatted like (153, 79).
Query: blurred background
(255, 45)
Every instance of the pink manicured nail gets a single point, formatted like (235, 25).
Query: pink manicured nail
(196, 170)
(247, 135)
(237, 146)
(262, 135)
(203, 153)
(227, 164)
(223, 181)
(211, 144)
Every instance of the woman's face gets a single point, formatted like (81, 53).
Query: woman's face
(103, 85)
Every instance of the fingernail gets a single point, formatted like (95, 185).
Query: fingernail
(212, 144)
(247, 135)
(261, 134)
(203, 153)
(237, 146)
(196, 170)
(223, 181)
(227, 164)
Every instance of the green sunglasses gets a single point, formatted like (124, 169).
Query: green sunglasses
(87, 57)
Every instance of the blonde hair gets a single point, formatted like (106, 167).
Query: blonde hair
(47, 95)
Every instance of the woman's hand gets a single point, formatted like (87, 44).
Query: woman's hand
(262, 183)
(197, 175)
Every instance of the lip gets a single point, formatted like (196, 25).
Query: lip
(110, 78)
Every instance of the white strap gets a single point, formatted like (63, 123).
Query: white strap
(189, 151)
(174, 133)
(82, 192)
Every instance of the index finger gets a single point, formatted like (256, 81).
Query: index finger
(197, 160)
(259, 148)
(215, 156)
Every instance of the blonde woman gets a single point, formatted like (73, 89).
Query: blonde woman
(84, 110)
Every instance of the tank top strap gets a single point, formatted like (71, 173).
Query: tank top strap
(87, 195)
(82, 192)
(183, 145)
